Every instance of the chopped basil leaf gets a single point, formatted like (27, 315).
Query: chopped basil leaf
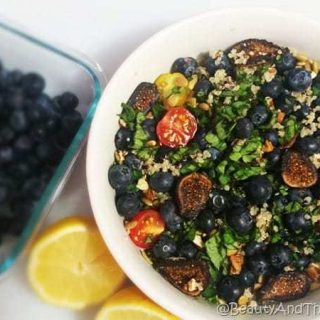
(215, 250)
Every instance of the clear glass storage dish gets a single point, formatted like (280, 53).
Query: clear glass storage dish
(63, 71)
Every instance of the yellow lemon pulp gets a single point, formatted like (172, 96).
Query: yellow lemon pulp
(70, 266)
(132, 304)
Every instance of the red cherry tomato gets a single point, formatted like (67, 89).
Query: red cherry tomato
(177, 127)
(145, 227)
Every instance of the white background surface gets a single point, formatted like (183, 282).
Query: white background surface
(106, 31)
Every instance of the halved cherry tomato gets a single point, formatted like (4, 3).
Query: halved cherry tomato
(177, 127)
(145, 227)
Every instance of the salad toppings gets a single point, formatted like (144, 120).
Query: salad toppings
(189, 276)
(298, 171)
(193, 194)
(145, 227)
(285, 287)
(144, 96)
(176, 128)
(217, 178)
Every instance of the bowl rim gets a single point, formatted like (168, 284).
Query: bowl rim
(90, 165)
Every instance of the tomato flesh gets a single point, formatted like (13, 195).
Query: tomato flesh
(177, 127)
(145, 227)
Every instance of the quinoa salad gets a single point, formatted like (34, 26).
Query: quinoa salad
(215, 173)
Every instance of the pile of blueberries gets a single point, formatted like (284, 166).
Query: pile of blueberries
(35, 131)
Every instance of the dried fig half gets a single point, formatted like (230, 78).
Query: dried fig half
(189, 276)
(144, 96)
(298, 171)
(193, 193)
(255, 52)
(285, 287)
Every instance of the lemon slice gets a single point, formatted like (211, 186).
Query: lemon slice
(132, 304)
(70, 266)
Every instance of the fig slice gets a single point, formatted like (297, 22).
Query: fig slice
(193, 193)
(257, 51)
(189, 276)
(144, 96)
(298, 171)
(285, 287)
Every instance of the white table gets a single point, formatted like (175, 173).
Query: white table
(107, 31)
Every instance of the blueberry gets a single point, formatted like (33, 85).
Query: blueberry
(45, 102)
(119, 176)
(6, 154)
(218, 201)
(279, 255)
(258, 189)
(15, 99)
(259, 265)
(247, 278)
(14, 78)
(240, 220)
(4, 111)
(200, 138)
(38, 133)
(254, 247)
(297, 221)
(202, 90)
(161, 181)
(19, 170)
(299, 79)
(308, 145)
(285, 103)
(272, 136)
(168, 212)
(33, 187)
(52, 123)
(302, 261)
(18, 121)
(299, 194)
(187, 66)
(187, 249)
(33, 84)
(273, 158)
(23, 144)
(243, 128)
(36, 113)
(71, 121)
(149, 126)
(6, 135)
(133, 162)
(215, 153)
(43, 151)
(229, 288)
(67, 102)
(258, 115)
(3, 193)
(128, 205)
(273, 88)
(286, 62)
(123, 138)
(303, 112)
(223, 62)
(206, 221)
(164, 248)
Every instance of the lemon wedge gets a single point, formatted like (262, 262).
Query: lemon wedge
(131, 304)
(70, 266)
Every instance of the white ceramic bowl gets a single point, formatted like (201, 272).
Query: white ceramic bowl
(213, 30)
